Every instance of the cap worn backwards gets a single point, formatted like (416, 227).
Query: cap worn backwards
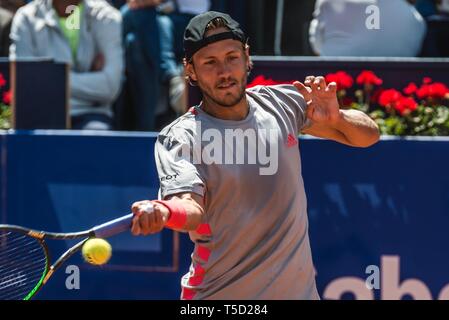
(194, 35)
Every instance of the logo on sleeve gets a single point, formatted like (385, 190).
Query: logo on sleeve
(169, 177)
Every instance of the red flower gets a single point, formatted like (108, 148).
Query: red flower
(389, 97)
(347, 101)
(423, 92)
(405, 105)
(426, 80)
(376, 95)
(2, 81)
(435, 90)
(7, 97)
(439, 90)
(368, 77)
(261, 80)
(410, 89)
(341, 78)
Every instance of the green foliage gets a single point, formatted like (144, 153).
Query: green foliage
(5, 116)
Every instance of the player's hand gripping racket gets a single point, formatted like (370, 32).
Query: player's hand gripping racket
(25, 258)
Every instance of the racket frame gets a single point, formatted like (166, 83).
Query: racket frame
(104, 230)
(40, 237)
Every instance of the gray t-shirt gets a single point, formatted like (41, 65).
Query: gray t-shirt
(253, 242)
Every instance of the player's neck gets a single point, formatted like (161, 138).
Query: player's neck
(236, 112)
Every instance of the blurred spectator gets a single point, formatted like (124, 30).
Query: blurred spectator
(443, 6)
(7, 10)
(86, 34)
(436, 43)
(153, 32)
(339, 28)
(12, 5)
(426, 7)
(5, 26)
(142, 55)
(172, 22)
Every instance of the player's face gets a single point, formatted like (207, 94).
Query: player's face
(220, 69)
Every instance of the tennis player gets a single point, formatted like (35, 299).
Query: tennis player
(230, 170)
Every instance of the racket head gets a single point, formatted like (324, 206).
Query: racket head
(25, 258)
(24, 263)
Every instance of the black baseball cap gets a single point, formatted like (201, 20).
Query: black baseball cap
(194, 38)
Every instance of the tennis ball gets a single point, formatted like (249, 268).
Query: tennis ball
(97, 251)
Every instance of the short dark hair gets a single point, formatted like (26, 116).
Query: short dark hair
(216, 23)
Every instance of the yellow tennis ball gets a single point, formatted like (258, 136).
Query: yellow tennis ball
(97, 251)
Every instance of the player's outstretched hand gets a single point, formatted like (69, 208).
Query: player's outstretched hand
(321, 99)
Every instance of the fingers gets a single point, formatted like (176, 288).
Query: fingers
(332, 87)
(312, 85)
(315, 83)
(145, 223)
(310, 109)
(159, 222)
(319, 84)
(309, 80)
(135, 208)
(147, 218)
(135, 227)
(302, 89)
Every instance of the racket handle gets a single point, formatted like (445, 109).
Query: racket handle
(113, 227)
(118, 225)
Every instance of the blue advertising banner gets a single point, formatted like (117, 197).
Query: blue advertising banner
(378, 217)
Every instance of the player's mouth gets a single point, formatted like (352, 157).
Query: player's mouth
(225, 86)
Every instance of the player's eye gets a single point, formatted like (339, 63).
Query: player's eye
(232, 58)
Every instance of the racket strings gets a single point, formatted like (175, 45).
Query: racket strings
(11, 238)
(15, 251)
(22, 263)
(7, 268)
(9, 290)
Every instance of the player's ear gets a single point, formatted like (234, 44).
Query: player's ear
(189, 71)
(246, 47)
(249, 63)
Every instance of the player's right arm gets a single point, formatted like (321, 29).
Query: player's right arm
(145, 222)
(182, 186)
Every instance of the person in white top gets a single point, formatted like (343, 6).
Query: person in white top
(193, 7)
(382, 28)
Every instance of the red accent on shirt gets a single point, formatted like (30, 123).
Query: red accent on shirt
(291, 140)
(203, 253)
(187, 294)
(204, 229)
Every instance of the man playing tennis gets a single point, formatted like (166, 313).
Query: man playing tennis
(247, 218)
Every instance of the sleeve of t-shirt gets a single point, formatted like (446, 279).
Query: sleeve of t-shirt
(286, 96)
(174, 161)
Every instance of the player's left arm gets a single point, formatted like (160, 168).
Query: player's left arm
(326, 120)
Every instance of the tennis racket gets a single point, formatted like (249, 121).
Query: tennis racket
(25, 257)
